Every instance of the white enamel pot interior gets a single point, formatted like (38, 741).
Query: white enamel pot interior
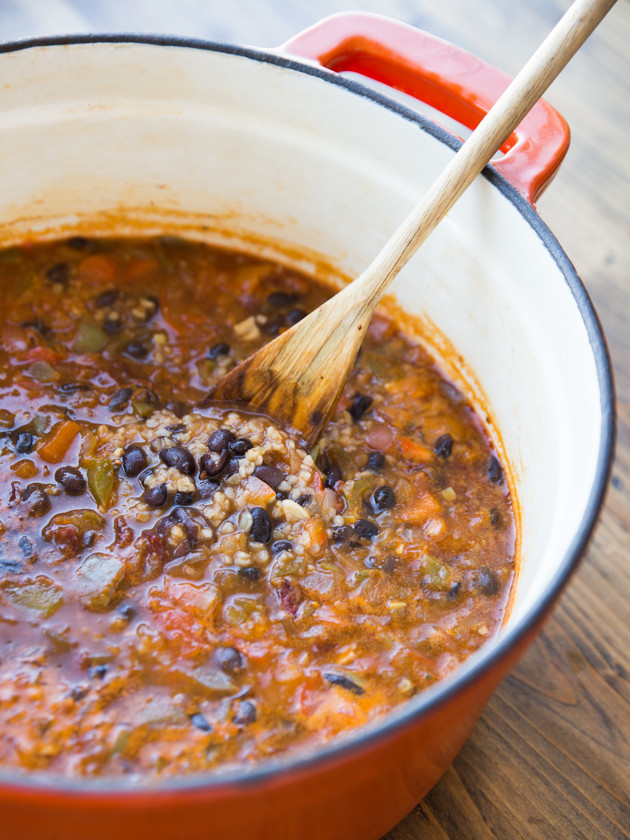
(253, 150)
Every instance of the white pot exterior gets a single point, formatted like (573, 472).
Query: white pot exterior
(235, 147)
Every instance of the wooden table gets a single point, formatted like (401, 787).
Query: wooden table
(550, 758)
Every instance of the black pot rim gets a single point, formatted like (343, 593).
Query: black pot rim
(238, 782)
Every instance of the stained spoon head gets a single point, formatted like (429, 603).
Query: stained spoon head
(298, 377)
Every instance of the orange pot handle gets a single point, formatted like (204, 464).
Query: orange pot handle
(443, 76)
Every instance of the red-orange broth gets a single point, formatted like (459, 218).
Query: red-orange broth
(185, 590)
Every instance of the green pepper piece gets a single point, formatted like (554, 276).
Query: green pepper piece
(40, 595)
(43, 372)
(437, 575)
(359, 489)
(40, 424)
(345, 463)
(90, 338)
(122, 739)
(100, 479)
(205, 369)
(144, 403)
(89, 443)
(381, 366)
(83, 520)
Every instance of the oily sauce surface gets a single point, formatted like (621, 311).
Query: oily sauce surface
(183, 590)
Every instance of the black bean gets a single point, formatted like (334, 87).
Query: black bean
(146, 401)
(454, 591)
(375, 461)
(175, 428)
(250, 573)
(71, 480)
(58, 273)
(183, 498)
(341, 534)
(229, 660)
(495, 471)
(274, 324)
(220, 349)
(179, 409)
(281, 495)
(270, 475)
(304, 499)
(495, 518)
(120, 399)
(360, 405)
(78, 243)
(137, 349)
(26, 547)
(231, 467)
(134, 460)
(156, 496)
(180, 458)
(37, 498)
(386, 564)
(36, 324)
(344, 682)
(365, 529)
(294, 316)
(246, 713)
(25, 442)
(383, 498)
(113, 323)
(206, 488)
(97, 671)
(105, 299)
(280, 300)
(78, 693)
(213, 463)
(487, 581)
(333, 475)
(218, 441)
(239, 446)
(261, 526)
(281, 545)
(443, 446)
(73, 387)
(201, 722)
(164, 525)
(11, 567)
(126, 611)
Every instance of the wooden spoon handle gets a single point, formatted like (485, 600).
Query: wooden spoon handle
(298, 377)
(495, 128)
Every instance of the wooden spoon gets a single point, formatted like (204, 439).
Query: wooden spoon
(297, 379)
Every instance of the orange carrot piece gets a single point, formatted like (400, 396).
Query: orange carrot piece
(415, 451)
(98, 268)
(317, 532)
(257, 492)
(59, 441)
(141, 267)
(423, 507)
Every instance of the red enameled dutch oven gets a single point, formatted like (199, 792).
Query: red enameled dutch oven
(278, 152)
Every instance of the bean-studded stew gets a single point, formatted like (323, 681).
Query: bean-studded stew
(184, 590)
